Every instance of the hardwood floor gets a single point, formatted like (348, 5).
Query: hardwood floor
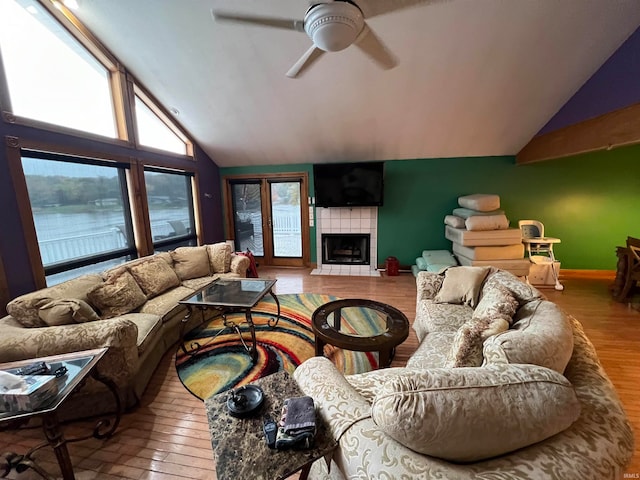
(167, 436)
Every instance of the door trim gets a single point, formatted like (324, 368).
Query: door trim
(266, 179)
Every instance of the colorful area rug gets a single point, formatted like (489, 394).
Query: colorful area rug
(223, 363)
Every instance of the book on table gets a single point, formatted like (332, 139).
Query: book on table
(34, 392)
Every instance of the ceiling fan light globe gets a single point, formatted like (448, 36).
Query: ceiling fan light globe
(333, 26)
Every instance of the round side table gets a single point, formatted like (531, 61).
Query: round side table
(386, 327)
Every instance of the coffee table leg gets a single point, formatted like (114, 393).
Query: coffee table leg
(384, 358)
(254, 347)
(274, 322)
(304, 473)
(319, 346)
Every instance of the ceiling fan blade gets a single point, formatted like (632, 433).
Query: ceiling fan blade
(305, 61)
(373, 8)
(370, 44)
(284, 23)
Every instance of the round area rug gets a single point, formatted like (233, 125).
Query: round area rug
(222, 362)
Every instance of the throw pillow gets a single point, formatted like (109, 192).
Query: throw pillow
(493, 315)
(461, 285)
(496, 302)
(118, 295)
(471, 414)
(25, 308)
(190, 262)
(65, 311)
(154, 276)
(219, 257)
(466, 348)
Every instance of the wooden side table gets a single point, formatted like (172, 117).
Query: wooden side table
(239, 446)
(391, 328)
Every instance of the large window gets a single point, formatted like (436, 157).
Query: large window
(154, 132)
(170, 200)
(51, 77)
(81, 213)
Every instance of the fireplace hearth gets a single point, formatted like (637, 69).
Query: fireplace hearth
(345, 248)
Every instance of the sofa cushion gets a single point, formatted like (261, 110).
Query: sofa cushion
(166, 304)
(154, 276)
(432, 351)
(219, 257)
(471, 414)
(65, 311)
(25, 307)
(482, 202)
(149, 326)
(439, 317)
(191, 262)
(117, 295)
(487, 222)
(454, 221)
(541, 335)
(462, 285)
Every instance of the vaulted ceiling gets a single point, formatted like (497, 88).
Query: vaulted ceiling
(474, 77)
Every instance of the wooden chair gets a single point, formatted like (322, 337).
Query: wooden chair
(628, 272)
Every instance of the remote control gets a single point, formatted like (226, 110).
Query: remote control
(39, 368)
(270, 430)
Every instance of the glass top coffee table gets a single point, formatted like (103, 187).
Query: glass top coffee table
(74, 368)
(230, 295)
(382, 328)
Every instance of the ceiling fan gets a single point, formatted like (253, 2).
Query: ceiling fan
(332, 25)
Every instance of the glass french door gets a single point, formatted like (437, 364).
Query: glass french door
(268, 215)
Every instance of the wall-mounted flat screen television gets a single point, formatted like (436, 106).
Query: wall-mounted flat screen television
(349, 184)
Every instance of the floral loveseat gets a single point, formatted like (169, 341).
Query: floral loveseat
(132, 309)
(484, 395)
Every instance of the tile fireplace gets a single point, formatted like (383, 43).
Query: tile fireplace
(345, 248)
(347, 241)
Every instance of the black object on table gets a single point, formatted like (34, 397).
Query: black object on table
(239, 445)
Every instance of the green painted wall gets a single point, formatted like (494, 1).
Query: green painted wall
(590, 201)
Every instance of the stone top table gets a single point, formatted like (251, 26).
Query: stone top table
(239, 447)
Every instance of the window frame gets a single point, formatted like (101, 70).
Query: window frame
(117, 83)
(151, 104)
(16, 148)
(178, 240)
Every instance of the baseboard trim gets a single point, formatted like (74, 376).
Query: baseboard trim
(587, 273)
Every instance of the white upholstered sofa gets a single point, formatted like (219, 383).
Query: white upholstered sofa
(478, 399)
(132, 309)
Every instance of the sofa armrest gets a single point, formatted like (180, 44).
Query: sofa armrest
(239, 264)
(19, 343)
(428, 285)
(339, 404)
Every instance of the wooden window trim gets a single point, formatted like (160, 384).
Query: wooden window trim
(14, 149)
(169, 122)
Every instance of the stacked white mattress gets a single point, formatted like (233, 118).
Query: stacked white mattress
(480, 233)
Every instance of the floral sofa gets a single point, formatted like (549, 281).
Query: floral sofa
(132, 309)
(502, 385)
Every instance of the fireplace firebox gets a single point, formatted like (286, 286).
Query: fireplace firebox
(345, 248)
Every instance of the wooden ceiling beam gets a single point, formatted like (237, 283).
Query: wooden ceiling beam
(614, 129)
